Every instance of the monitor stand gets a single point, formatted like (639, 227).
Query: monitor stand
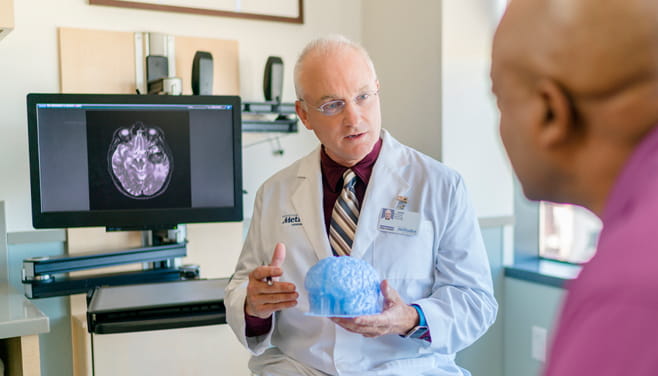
(177, 234)
(160, 257)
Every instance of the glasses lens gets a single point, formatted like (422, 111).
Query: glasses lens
(333, 107)
(363, 98)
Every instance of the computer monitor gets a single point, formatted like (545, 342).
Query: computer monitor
(134, 162)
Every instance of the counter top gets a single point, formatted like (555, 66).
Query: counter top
(542, 271)
(18, 316)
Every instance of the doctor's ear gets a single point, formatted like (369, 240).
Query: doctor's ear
(559, 121)
(302, 114)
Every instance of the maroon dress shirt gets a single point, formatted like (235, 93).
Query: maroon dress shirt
(332, 184)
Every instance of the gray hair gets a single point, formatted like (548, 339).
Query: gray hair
(324, 46)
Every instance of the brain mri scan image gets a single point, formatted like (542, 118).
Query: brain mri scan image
(139, 161)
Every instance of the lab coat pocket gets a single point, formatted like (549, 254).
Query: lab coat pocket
(406, 261)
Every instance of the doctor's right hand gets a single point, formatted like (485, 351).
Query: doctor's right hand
(265, 298)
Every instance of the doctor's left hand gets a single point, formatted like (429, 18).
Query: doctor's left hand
(396, 318)
(264, 298)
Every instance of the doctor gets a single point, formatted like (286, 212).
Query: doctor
(437, 283)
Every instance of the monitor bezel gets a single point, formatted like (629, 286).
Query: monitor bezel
(138, 219)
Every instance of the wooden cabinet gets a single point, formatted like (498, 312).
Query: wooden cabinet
(21, 355)
(6, 17)
(20, 325)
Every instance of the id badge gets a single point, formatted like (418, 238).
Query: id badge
(398, 221)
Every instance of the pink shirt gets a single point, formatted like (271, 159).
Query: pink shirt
(609, 323)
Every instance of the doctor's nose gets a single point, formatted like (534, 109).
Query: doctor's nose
(351, 114)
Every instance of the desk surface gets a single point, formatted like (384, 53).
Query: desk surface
(155, 295)
(157, 306)
(18, 316)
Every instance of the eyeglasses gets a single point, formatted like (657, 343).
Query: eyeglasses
(337, 106)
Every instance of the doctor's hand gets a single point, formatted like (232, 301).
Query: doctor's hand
(263, 297)
(396, 318)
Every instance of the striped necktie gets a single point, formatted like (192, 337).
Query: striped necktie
(344, 217)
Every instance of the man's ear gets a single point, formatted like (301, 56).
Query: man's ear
(558, 123)
(302, 114)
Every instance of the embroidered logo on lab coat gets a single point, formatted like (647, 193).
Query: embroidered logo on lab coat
(291, 219)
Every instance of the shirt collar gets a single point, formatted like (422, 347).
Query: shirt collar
(333, 172)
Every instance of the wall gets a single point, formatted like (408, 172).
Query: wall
(4, 266)
(467, 140)
(433, 65)
(527, 304)
(406, 51)
(439, 84)
(485, 357)
(55, 346)
(471, 143)
(29, 63)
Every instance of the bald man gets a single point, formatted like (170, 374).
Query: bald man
(437, 290)
(577, 88)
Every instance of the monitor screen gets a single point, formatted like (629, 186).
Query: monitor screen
(134, 161)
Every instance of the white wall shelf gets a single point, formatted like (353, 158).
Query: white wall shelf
(253, 117)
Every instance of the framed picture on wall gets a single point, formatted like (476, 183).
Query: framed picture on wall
(280, 10)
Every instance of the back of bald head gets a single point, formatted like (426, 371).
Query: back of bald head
(592, 46)
(324, 47)
(597, 51)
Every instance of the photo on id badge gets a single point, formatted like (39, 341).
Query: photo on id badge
(389, 219)
(398, 221)
(388, 214)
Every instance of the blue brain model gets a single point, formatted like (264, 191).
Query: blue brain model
(343, 287)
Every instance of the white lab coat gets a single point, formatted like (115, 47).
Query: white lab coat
(444, 268)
